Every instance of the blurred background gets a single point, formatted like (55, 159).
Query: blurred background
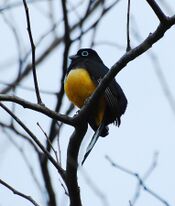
(143, 144)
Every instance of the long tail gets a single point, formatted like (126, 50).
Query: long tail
(93, 141)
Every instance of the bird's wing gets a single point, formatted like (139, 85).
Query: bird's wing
(114, 94)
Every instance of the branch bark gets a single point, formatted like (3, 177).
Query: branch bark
(72, 164)
(16, 192)
(157, 10)
(38, 108)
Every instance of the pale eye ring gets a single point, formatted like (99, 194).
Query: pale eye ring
(84, 53)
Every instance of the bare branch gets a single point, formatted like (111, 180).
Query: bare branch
(19, 134)
(157, 10)
(145, 177)
(140, 181)
(123, 61)
(60, 170)
(33, 53)
(72, 164)
(16, 192)
(48, 140)
(48, 50)
(128, 48)
(39, 108)
(26, 160)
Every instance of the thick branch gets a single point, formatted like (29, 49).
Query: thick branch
(123, 61)
(39, 108)
(72, 164)
(157, 10)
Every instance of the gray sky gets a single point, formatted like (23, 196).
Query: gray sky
(146, 128)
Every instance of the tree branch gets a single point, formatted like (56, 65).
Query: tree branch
(123, 61)
(48, 50)
(39, 108)
(140, 181)
(33, 53)
(128, 48)
(16, 192)
(35, 139)
(157, 10)
(72, 164)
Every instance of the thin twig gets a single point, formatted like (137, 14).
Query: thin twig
(59, 125)
(128, 48)
(33, 53)
(64, 188)
(97, 21)
(19, 134)
(16, 192)
(48, 140)
(144, 178)
(140, 181)
(67, 44)
(29, 132)
(48, 50)
(29, 166)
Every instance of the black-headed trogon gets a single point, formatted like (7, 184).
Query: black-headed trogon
(83, 75)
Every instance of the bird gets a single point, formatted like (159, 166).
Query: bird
(85, 72)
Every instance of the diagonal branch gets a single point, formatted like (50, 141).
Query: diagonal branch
(35, 139)
(157, 10)
(144, 178)
(16, 192)
(123, 61)
(140, 181)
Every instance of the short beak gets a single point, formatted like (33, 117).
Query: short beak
(73, 57)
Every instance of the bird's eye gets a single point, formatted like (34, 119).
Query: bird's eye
(84, 53)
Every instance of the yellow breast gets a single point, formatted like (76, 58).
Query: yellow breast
(79, 86)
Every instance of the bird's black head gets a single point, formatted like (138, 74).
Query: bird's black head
(86, 53)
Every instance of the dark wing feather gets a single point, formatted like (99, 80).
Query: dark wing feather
(114, 95)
